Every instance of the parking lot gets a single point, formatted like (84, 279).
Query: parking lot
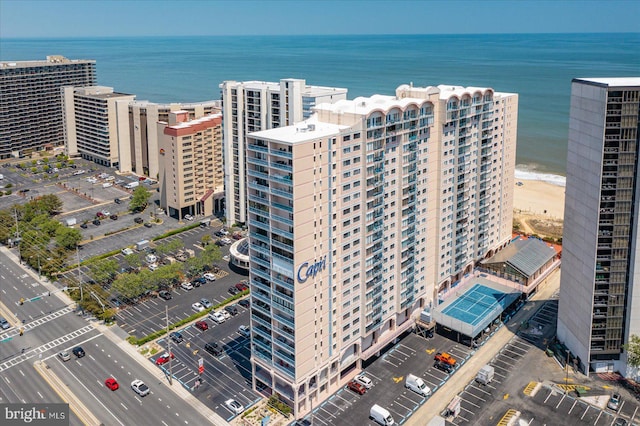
(225, 376)
(413, 355)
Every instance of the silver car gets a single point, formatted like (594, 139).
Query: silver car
(64, 356)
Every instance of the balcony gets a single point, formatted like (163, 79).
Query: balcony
(261, 148)
(282, 166)
(284, 320)
(281, 152)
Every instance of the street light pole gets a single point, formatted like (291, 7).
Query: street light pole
(79, 276)
(566, 366)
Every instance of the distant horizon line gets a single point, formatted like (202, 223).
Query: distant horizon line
(302, 35)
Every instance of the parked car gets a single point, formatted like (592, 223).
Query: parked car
(186, 285)
(209, 276)
(356, 387)
(234, 406)
(445, 357)
(176, 336)
(202, 325)
(245, 303)
(217, 317)
(112, 384)
(139, 387)
(206, 303)
(226, 314)
(614, 402)
(113, 217)
(223, 232)
(232, 309)
(213, 348)
(237, 236)
(200, 280)
(188, 217)
(226, 241)
(117, 201)
(242, 286)
(233, 291)
(84, 225)
(96, 222)
(64, 356)
(164, 358)
(78, 351)
(363, 380)
(244, 330)
(447, 368)
(153, 266)
(147, 225)
(126, 251)
(138, 220)
(197, 306)
(165, 295)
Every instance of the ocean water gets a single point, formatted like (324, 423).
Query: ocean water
(539, 67)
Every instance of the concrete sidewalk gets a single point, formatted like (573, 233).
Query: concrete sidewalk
(431, 410)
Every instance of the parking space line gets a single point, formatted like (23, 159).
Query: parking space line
(467, 401)
(585, 411)
(561, 399)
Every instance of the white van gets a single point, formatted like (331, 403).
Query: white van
(381, 415)
(107, 185)
(417, 385)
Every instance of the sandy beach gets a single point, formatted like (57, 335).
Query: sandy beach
(539, 198)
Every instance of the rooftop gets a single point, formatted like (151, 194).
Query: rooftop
(301, 132)
(50, 61)
(525, 255)
(611, 81)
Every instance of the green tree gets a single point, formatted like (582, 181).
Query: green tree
(103, 270)
(46, 168)
(169, 246)
(49, 203)
(140, 199)
(68, 237)
(206, 240)
(633, 350)
(34, 170)
(45, 160)
(133, 260)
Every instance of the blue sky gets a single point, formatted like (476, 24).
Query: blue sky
(99, 18)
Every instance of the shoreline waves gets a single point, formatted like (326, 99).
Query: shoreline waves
(523, 172)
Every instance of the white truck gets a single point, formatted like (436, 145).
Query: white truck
(141, 245)
(132, 185)
(381, 415)
(417, 385)
(485, 375)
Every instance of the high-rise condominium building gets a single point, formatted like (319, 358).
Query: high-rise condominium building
(31, 101)
(191, 173)
(90, 123)
(138, 121)
(599, 298)
(359, 215)
(251, 106)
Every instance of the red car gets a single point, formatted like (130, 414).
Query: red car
(242, 286)
(202, 325)
(164, 358)
(111, 383)
(356, 387)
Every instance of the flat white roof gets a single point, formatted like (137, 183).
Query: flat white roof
(612, 81)
(301, 132)
(365, 105)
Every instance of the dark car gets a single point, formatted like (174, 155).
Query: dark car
(233, 310)
(148, 225)
(78, 351)
(113, 217)
(138, 220)
(447, 368)
(100, 215)
(165, 295)
(233, 290)
(84, 225)
(201, 280)
(117, 201)
(202, 325)
(245, 303)
(96, 222)
(176, 336)
(213, 348)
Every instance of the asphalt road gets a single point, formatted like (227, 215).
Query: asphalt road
(85, 376)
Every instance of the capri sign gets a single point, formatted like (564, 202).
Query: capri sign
(309, 270)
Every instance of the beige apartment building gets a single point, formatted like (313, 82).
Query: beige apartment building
(31, 115)
(191, 175)
(251, 106)
(138, 123)
(359, 216)
(90, 123)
